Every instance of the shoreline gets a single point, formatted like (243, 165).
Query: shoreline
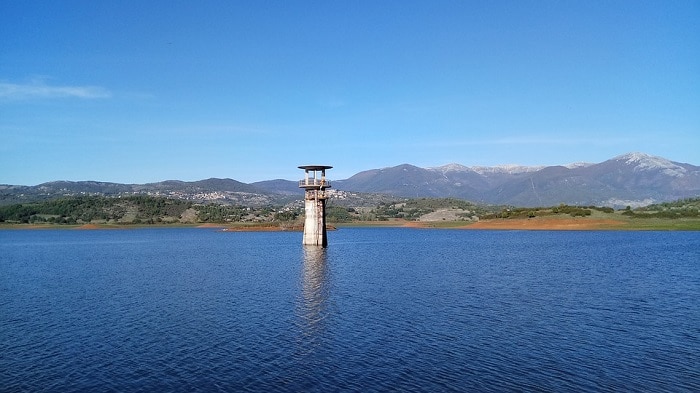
(527, 224)
(550, 224)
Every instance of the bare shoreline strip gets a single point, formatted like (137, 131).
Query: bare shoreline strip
(526, 224)
(551, 224)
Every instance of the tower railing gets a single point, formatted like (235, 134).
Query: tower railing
(315, 183)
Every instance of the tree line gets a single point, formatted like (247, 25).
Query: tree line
(85, 209)
(145, 209)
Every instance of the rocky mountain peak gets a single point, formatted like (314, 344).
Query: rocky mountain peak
(510, 169)
(647, 162)
(453, 167)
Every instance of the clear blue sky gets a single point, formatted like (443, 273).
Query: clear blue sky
(143, 91)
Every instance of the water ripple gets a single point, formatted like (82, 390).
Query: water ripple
(379, 310)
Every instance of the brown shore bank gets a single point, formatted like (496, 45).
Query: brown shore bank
(549, 224)
(257, 228)
(528, 224)
(533, 224)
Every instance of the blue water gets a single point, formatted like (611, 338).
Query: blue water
(381, 309)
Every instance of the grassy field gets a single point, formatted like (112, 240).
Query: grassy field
(663, 224)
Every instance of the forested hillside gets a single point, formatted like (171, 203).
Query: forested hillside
(683, 208)
(143, 209)
(85, 209)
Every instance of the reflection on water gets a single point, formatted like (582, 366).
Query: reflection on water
(421, 310)
(313, 300)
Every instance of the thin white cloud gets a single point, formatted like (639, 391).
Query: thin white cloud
(40, 90)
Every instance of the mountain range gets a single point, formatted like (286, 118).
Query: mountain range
(633, 179)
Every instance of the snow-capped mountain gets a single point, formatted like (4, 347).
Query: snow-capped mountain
(646, 162)
(510, 169)
(633, 179)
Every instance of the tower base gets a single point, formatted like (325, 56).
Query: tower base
(315, 222)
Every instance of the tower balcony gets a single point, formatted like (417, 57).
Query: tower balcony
(314, 183)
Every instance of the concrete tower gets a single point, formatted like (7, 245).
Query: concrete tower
(315, 204)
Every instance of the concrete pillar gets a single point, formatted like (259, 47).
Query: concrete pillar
(315, 220)
(315, 205)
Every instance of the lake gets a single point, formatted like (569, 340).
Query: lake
(381, 309)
